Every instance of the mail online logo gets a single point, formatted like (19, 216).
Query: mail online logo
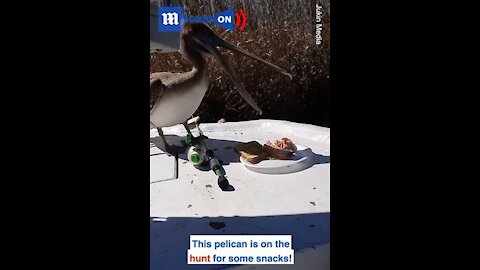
(171, 19)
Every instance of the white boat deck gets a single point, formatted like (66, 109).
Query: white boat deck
(296, 204)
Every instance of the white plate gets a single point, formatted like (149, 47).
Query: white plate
(301, 160)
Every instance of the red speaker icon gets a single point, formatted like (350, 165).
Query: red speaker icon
(240, 19)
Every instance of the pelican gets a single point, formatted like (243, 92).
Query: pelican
(174, 97)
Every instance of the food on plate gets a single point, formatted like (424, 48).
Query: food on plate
(252, 152)
(283, 144)
(280, 149)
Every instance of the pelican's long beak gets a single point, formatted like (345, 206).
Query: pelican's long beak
(211, 47)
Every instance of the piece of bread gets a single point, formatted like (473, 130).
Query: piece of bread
(251, 151)
(277, 153)
(280, 149)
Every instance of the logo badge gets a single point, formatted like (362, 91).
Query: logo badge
(170, 19)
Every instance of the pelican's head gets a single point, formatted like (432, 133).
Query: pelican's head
(201, 38)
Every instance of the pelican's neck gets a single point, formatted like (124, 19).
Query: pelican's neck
(195, 58)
